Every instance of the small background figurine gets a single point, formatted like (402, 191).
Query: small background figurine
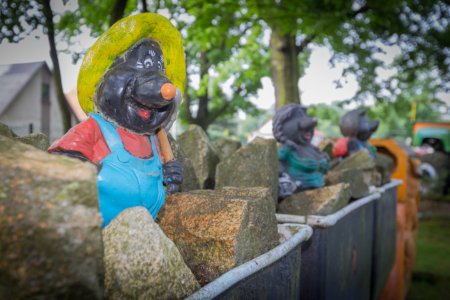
(301, 164)
(128, 83)
(356, 129)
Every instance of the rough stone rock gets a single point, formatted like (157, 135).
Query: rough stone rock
(355, 178)
(323, 201)
(50, 226)
(226, 147)
(217, 230)
(38, 140)
(326, 145)
(197, 147)
(385, 165)
(141, 262)
(361, 160)
(358, 160)
(190, 181)
(6, 131)
(286, 231)
(254, 165)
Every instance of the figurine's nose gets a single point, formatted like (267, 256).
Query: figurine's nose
(168, 91)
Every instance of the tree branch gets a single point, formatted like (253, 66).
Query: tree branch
(62, 101)
(216, 113)
(144, 6)
(361, 10)
(306, 41)
(187, 107)
(187, 99)
(117, 11)
(223, 109)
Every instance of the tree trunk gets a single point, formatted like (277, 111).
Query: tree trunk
(62, 101)
(285, 68)
(201, 119)
(144, 6)
(117, 11)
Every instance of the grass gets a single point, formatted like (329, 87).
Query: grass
(431, 276)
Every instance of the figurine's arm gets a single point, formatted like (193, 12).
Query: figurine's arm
(353, 146)
(173, 176)
(286, 185)
(73, 154)
(82, 142)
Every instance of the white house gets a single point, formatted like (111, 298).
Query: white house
(28, 101)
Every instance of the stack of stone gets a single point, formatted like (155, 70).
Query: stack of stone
(50, 234)
(54, 246)
(217, 230)
(52, 242)
(348, 179)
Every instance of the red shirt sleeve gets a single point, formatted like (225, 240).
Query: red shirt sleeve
(340, 148)
(85, 138)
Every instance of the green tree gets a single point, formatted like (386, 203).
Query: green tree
(395, 115)
(222, 44)
(355, 31)
(20, 18)
(223, 49)
(227, 50)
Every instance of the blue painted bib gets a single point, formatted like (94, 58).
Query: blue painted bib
(125, 180)
(365, 145)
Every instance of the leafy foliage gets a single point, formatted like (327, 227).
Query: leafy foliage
(223, 50)
(228, 52)
(19, 18)
(359, 31)
(395, 115)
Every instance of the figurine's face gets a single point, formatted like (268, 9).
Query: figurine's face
(135, 93)
(366, 128)
(300, 127)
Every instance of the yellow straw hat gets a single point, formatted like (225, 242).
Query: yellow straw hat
(121, 36)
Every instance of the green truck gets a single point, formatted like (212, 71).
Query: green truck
(434, 134)
(435, 167)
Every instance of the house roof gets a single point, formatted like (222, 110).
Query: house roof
(13, 78)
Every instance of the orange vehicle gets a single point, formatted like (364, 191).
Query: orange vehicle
(408, 195)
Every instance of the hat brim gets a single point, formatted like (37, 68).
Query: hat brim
(120, 37)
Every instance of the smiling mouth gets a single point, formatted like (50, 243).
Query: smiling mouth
(307, 136)
(146, 111)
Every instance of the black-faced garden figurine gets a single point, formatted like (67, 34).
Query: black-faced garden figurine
(129, 83)
(301, 164)
(357, 129)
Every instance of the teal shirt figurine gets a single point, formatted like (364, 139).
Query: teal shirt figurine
(301, 164)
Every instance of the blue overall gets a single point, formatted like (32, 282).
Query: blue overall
(125, 180)
(360, 145)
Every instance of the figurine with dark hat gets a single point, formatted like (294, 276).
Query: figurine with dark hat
(357, 129)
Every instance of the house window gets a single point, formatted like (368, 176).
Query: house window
(45, 92)
(45, 108)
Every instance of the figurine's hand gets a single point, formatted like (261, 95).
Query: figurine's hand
(173, 176)
(286, 186)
